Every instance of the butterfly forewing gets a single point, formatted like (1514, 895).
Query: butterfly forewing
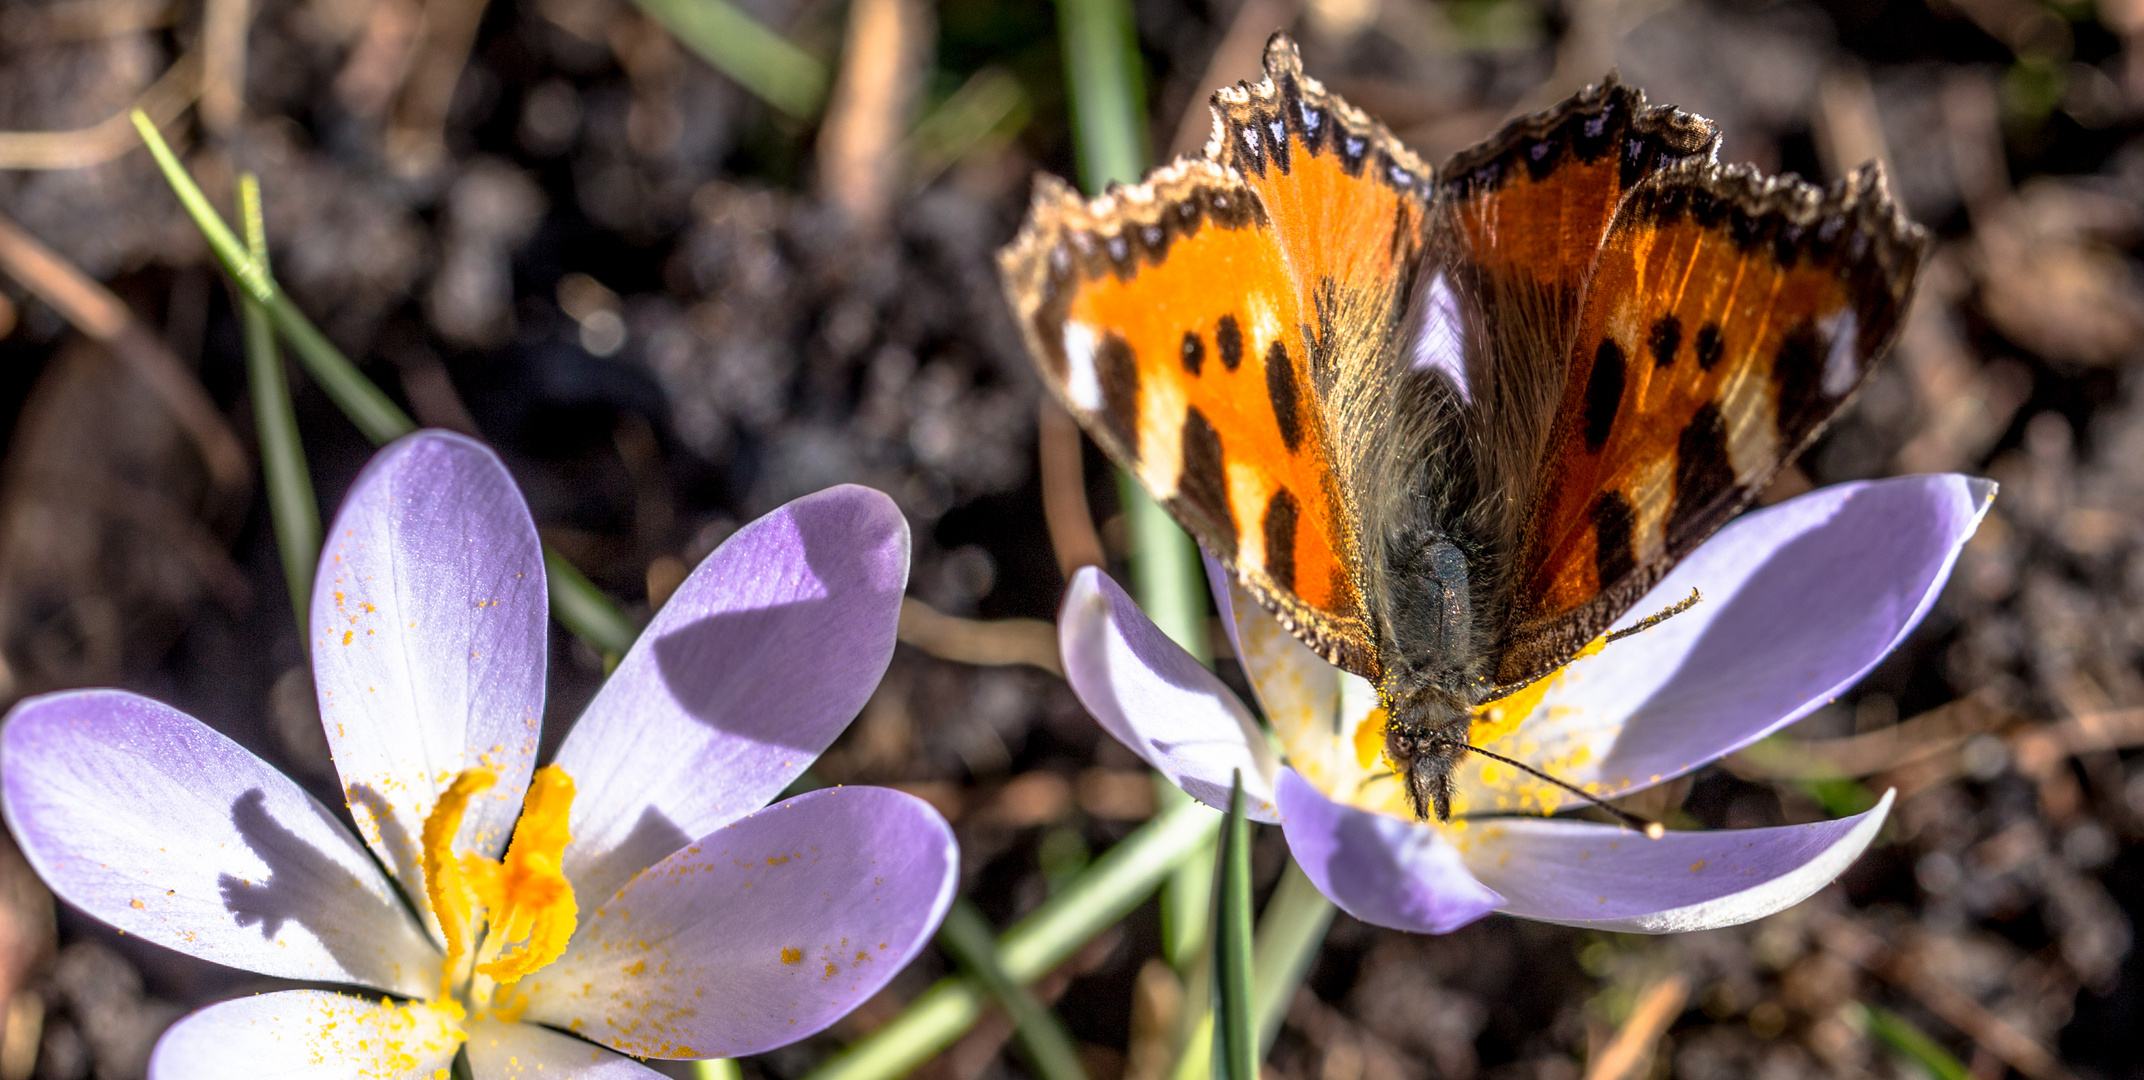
(1727, 319)
(1196, 325)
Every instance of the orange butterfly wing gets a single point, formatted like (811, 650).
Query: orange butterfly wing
(1727, 319)
(1196, 323)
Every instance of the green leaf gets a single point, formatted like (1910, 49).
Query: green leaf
(1237, 1038)
(739, 46)
(1117, 882)
(291, 504)
(1290, 932)
(1911, 1043)
(966, 936)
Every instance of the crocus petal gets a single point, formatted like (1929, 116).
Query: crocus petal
(761, 658)
(310, 1035)
(429, 643)
(1800, 600)
(759, 934)
(1317, 711)
(147, 819)
(1611, 878)
(1156, 699)
(499, 1051)
(1380, 869)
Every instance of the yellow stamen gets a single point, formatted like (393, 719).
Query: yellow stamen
(529, 896)
(444, 882)
(1496, 719)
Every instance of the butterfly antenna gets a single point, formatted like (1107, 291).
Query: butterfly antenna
(1650, 621)
(1650, 828)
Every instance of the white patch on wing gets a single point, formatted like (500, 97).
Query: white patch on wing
(1082, 383)
(1840, 370)
(1440, 339)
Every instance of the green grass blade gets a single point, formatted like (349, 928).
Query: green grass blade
(1915, 1045)
(1117, 882)
(1290, 931)
(739, 46)
(579, 605)
(966, 936)
(583, 609)
(1238, 1041)
(291, 504)
(1101, 59)
(717, 1069)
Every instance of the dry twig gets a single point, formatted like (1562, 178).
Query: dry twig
(111, 137)
(882, 68)
(986, 642)
(1064, 491)
(223, 59)
(92, 309)
(1631, 1050)
(1855, 945)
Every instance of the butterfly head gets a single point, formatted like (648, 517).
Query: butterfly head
(1425, 739)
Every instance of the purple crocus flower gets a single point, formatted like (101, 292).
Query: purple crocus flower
(635, 893)
(1800, 600)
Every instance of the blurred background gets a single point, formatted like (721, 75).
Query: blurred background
(677, 283)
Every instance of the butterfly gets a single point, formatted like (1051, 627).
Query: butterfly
(1449, 426)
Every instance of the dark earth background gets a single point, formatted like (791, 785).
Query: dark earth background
(672, 308)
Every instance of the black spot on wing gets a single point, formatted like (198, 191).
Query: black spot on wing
(1194, 353)
(1604, 393)
(1203, 483)
(1228, 337)
(1280, 523)
(1703, 474)
(1665, 339)
(1798, 381)
(1709, 346)
(1614, 531)
(1286, 397)
(1118, 370)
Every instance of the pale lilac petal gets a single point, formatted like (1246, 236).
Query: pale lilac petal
(1316, 710)
(1378, 868)
(147, 819)
(499, 1051)
(1155, 698)
(1800, 600)
(1611, 878)
(308, 1035)
(751, 669)
(428, 639)
(759, 934)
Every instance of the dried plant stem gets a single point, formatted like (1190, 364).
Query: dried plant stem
(107, 139)
(1626, 1055)
(1064, 490)
(93, 310)
(1863, 949)
(983, 642)
(882, 65)
(223, 61)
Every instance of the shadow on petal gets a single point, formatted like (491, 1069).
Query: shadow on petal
(298, 875)
(1809, 620)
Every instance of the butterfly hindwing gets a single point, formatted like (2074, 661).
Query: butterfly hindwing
(1203, 324)
(1726, 320)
